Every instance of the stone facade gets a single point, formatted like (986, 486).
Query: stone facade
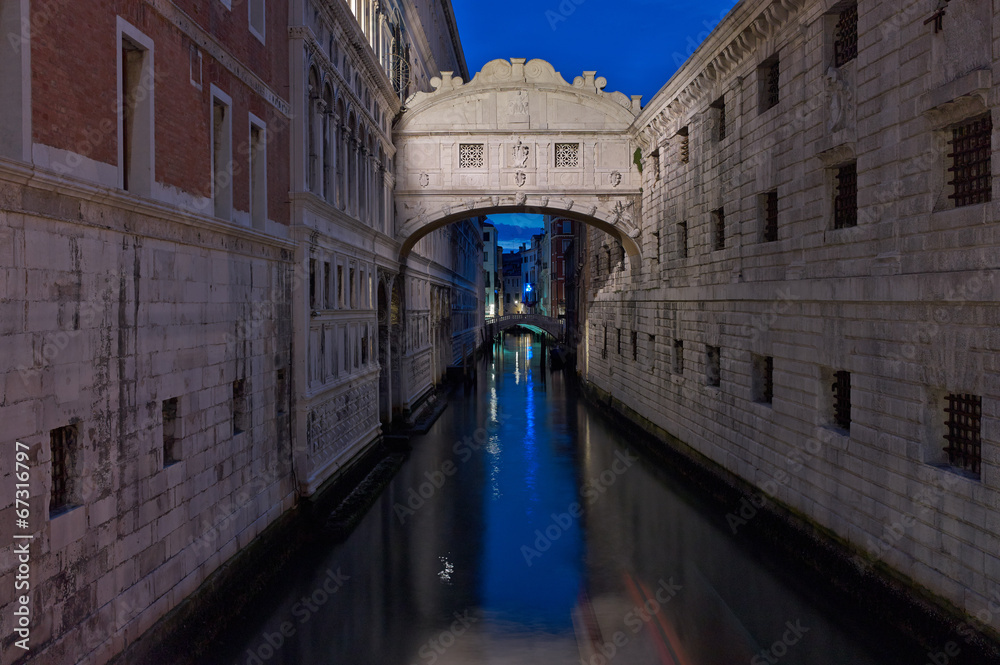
(204, 314)
(758, 291)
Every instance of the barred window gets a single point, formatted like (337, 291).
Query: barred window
(762, 380)
(635, 346)
(720, 117)
(685, 147)
(604, 349)
(239, 406)
(842, 399)
(971, 167)
(171, 433)
(567, 155)
(682, 240)
(719, 228)
(470, 156)
(63, 443)
(964, 437)
(769, 204)
(769, 75)
(845, 41)
(845, 212)
(678, 356)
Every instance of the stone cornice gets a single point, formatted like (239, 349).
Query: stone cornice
(749, 24)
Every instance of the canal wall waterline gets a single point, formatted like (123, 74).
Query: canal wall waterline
(819, 553)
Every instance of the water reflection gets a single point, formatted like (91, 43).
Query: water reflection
(522, 530)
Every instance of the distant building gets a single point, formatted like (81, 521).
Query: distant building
(491, 270)
(561, 234)
(513, 281)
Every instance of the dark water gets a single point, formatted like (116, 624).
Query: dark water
(523, 530)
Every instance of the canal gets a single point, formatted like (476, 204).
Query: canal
(525, 529)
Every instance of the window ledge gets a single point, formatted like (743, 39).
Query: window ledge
(961, 99)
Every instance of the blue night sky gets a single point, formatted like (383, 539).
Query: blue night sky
(635, 44)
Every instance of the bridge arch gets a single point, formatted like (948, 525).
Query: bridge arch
(518, 138)
(555, 328)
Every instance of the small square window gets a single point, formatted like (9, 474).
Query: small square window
(713, 365)
(65, 454)
(239, 406)
(471, 156)
(845, 210)
(971, 162)
(684, 150)
(719, 229)
(841, 388)
(964, 422)
(845, 36)
(567, 155)
(719, 114)
(769, 216)
(769, 83)
(762, 379)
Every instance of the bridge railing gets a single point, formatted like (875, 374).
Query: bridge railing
(556, 327)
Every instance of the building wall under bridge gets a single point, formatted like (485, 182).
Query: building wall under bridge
(768, 279)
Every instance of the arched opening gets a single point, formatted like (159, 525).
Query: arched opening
(341, 156)
(313, 146)
(328, 147)
(354, 146)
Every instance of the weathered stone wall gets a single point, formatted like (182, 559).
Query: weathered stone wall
(109, 308)
(906, 301)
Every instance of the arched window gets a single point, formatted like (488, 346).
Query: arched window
(353, 148)
(341, 156)
(313, 131)
(328, 146)
(380, 190)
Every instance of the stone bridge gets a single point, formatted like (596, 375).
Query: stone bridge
(496, 324)
(518, 138)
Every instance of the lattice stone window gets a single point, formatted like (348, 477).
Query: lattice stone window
(567, 155)
(845, 36)
(971, 164)
(845, 208)
(471, 156)
(964, 437)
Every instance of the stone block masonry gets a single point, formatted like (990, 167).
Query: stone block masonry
(874, 302)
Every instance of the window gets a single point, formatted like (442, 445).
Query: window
(281, 392)
(682, 240)
(769, 216)
(239, 406)
(719, 229)
(619, 341)
(842, 399)
(762, 379)
(635, 346)
(604, 349)
(171, 432)
(222, 152)
(135, 115)
(327, 285)
(567, 155)
(971, 165)
(656, 163)
(256, 9)
(65, 454)
(768, 81)
(964, 421)
(258, 173)
(713, 365)
(845, 36)
(656, 235)
(340, 287)
(195, 64)
(471, 156)
(313, 291)
(845, 208)
(486, 235)
(678, 356)
(685, 146)
(719, 114)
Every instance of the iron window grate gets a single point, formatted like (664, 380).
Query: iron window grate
(771, 217)
(845, 43)
(767, 389)
(972, 168)
(772, 84)
(678, 356)
(846, 203)
(685, 149)
(682, 242)
(63, 445)
(965, 415)
(842, 399)
(719, 217)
